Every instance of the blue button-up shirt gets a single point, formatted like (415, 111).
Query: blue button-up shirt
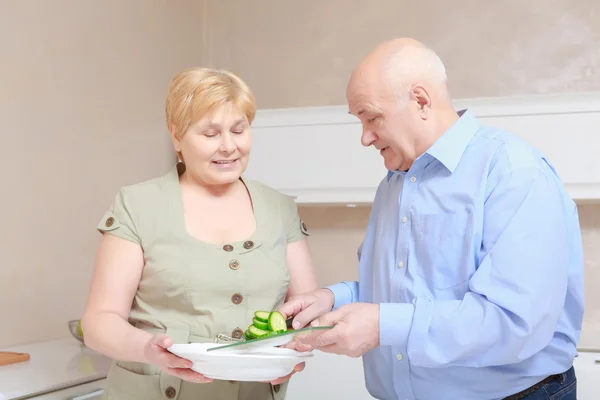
(475, 258)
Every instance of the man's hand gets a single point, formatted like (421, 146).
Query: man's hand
(307, 307)
(355, 330)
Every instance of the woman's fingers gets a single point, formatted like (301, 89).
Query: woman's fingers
(163, 341)
(187, 375)
(172, 361)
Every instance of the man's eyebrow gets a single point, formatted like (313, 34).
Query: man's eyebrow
(358, 113)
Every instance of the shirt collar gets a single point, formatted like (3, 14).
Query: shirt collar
(449, 148)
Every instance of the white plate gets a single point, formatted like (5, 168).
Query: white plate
(265, 364)
(269, 340)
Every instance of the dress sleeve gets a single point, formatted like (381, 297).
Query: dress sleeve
(118, 220)
(295, 228)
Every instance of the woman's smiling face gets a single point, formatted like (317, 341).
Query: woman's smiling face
(216, 148)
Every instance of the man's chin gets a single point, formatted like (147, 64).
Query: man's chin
(392, 165)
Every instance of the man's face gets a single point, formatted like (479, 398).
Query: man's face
(386, 125)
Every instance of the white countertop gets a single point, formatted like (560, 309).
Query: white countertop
(53, 365)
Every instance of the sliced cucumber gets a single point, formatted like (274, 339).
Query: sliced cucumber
(260, 324)
(277, 322)
(262, 316)
(248, 335)
(257, 332)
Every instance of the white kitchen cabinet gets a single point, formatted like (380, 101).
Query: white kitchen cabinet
(61, 369)
(86, 391)
(329, 376)
(315, 154)
(587, 369)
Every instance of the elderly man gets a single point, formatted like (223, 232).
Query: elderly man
(471, 270)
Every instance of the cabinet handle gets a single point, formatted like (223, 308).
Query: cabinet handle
(88, 395)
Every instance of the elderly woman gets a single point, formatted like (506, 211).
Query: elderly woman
(193, 253)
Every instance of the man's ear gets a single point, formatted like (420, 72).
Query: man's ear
(420, 95)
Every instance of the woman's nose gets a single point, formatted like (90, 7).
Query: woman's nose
(227, 143)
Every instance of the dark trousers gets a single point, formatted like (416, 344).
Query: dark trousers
(556, 387)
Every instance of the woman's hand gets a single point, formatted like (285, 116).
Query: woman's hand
(297, 368)
(155, 352)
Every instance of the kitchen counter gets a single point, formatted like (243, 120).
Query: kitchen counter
(53, 365)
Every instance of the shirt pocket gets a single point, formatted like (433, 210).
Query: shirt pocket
(443, 248)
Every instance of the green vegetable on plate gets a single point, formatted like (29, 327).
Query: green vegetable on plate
(266, 323)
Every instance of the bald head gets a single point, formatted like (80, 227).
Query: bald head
(400, 64)
(399, 93)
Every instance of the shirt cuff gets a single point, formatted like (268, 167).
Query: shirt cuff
(342, 294)
(395, 321)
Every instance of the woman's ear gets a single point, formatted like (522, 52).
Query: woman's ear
(174, 139)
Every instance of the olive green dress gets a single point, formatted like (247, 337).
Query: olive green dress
(194, 290)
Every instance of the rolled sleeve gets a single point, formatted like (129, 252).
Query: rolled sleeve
(295, 228)
(118, 220)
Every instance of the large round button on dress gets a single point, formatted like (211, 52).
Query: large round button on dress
(237, 333)
(248, 245)
(236, 298)
(234, 264)
(170, 392)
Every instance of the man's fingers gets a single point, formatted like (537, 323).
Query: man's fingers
(291, 308)
(332, 348)
(321, 339)
(302, 347)
(330, 318)
(306, 316)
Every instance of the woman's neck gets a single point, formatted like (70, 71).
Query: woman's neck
(199, 187)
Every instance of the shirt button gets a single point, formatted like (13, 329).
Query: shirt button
(401, 264)
(234, 264)
(404, 219)
(413, 179)
(399, 357)
(248, 244)
(228, 247)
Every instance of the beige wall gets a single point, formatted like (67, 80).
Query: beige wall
(81, 104)
(301, 54)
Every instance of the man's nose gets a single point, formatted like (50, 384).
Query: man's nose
(368, 137)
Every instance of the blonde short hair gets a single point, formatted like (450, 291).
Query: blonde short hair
(194, 92)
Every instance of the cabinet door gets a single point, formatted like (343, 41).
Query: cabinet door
(87, 391)
(587, 369)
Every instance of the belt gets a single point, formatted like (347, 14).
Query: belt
(529, 390)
